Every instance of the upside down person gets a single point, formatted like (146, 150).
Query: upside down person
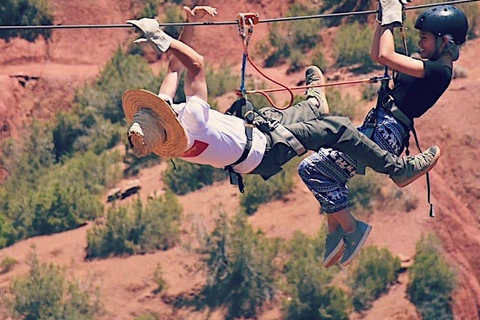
(196, 133)
(417, 86)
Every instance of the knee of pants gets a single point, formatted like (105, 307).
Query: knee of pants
(311, 176)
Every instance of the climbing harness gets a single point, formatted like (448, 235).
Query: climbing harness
(386, 101)
(244, 109)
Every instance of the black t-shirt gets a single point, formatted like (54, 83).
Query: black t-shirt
(414, 96)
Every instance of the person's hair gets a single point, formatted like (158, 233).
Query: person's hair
(451, 47)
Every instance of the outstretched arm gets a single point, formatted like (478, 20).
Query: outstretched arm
(181, 57)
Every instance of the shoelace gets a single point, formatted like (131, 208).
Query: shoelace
(420, 161)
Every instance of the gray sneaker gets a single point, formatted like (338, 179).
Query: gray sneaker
(333, 247)
(354, 241)
(314, 76)
(416, 166)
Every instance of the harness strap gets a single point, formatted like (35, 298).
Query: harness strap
(406, 121)
(290, 138)
(432, 210)
(235, 177)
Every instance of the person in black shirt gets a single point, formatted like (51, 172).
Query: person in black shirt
(417, 86)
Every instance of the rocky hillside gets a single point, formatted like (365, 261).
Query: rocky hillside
(38, 79)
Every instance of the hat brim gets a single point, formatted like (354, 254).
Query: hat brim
(176, 139)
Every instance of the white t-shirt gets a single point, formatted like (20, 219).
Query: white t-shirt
(215, 138)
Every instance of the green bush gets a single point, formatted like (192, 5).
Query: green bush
(309, 284)
(7, 264)
(150, 9)
(375, 271)
(221, 81)
(431, 281)
(302, 35)
(189, 176)
(159, 279)
(338, 6)
(131, 230)
(173, 13)
(258, 191)
(147, 317)
(318, 58)
(97, 122)
(352, 47)
(341, 105)
(25, 12)
(46, 293)
(369, 92)
(240, 272)
(362, 190)
(41, 197)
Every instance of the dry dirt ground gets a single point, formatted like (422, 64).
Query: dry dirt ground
(73, 58)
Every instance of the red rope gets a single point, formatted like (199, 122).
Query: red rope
(284, 87)
(331, 84)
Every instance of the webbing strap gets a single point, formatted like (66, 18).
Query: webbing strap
(432, 210)
(400, 116)
(235, 177)
(291, 139)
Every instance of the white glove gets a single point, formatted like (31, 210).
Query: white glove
(391, 12)
(152, 34)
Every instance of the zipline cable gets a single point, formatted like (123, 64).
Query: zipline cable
(222, 23)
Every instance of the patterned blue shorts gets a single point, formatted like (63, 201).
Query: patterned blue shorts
(327, 172)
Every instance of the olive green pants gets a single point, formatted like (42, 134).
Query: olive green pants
(315, 131)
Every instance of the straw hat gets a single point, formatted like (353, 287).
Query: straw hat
(160, 130)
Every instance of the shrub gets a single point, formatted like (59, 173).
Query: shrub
(7, 264)
(302, 35)
(25, 12)
(187, 176)
(150, 9)
(221, 81)
(173, 13)
(131, 230)
(431, 281)
(158, 277)
(341, 105)
(319, 58)
(375, 270)
(258, 191)
(239, 266)
(57, 199)
(98, 118)
(363, 189)
(147, 317)
(369, 92)
(46, 293)
(336, 6)
(352, 47)
(309, 287)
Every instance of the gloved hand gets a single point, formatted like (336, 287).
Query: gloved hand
(151, 34)
(391, 12)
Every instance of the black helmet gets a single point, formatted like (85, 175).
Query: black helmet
(442, 20)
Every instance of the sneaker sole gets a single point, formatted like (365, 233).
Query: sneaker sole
(334, 256)
(359, 246)
(434, 162)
